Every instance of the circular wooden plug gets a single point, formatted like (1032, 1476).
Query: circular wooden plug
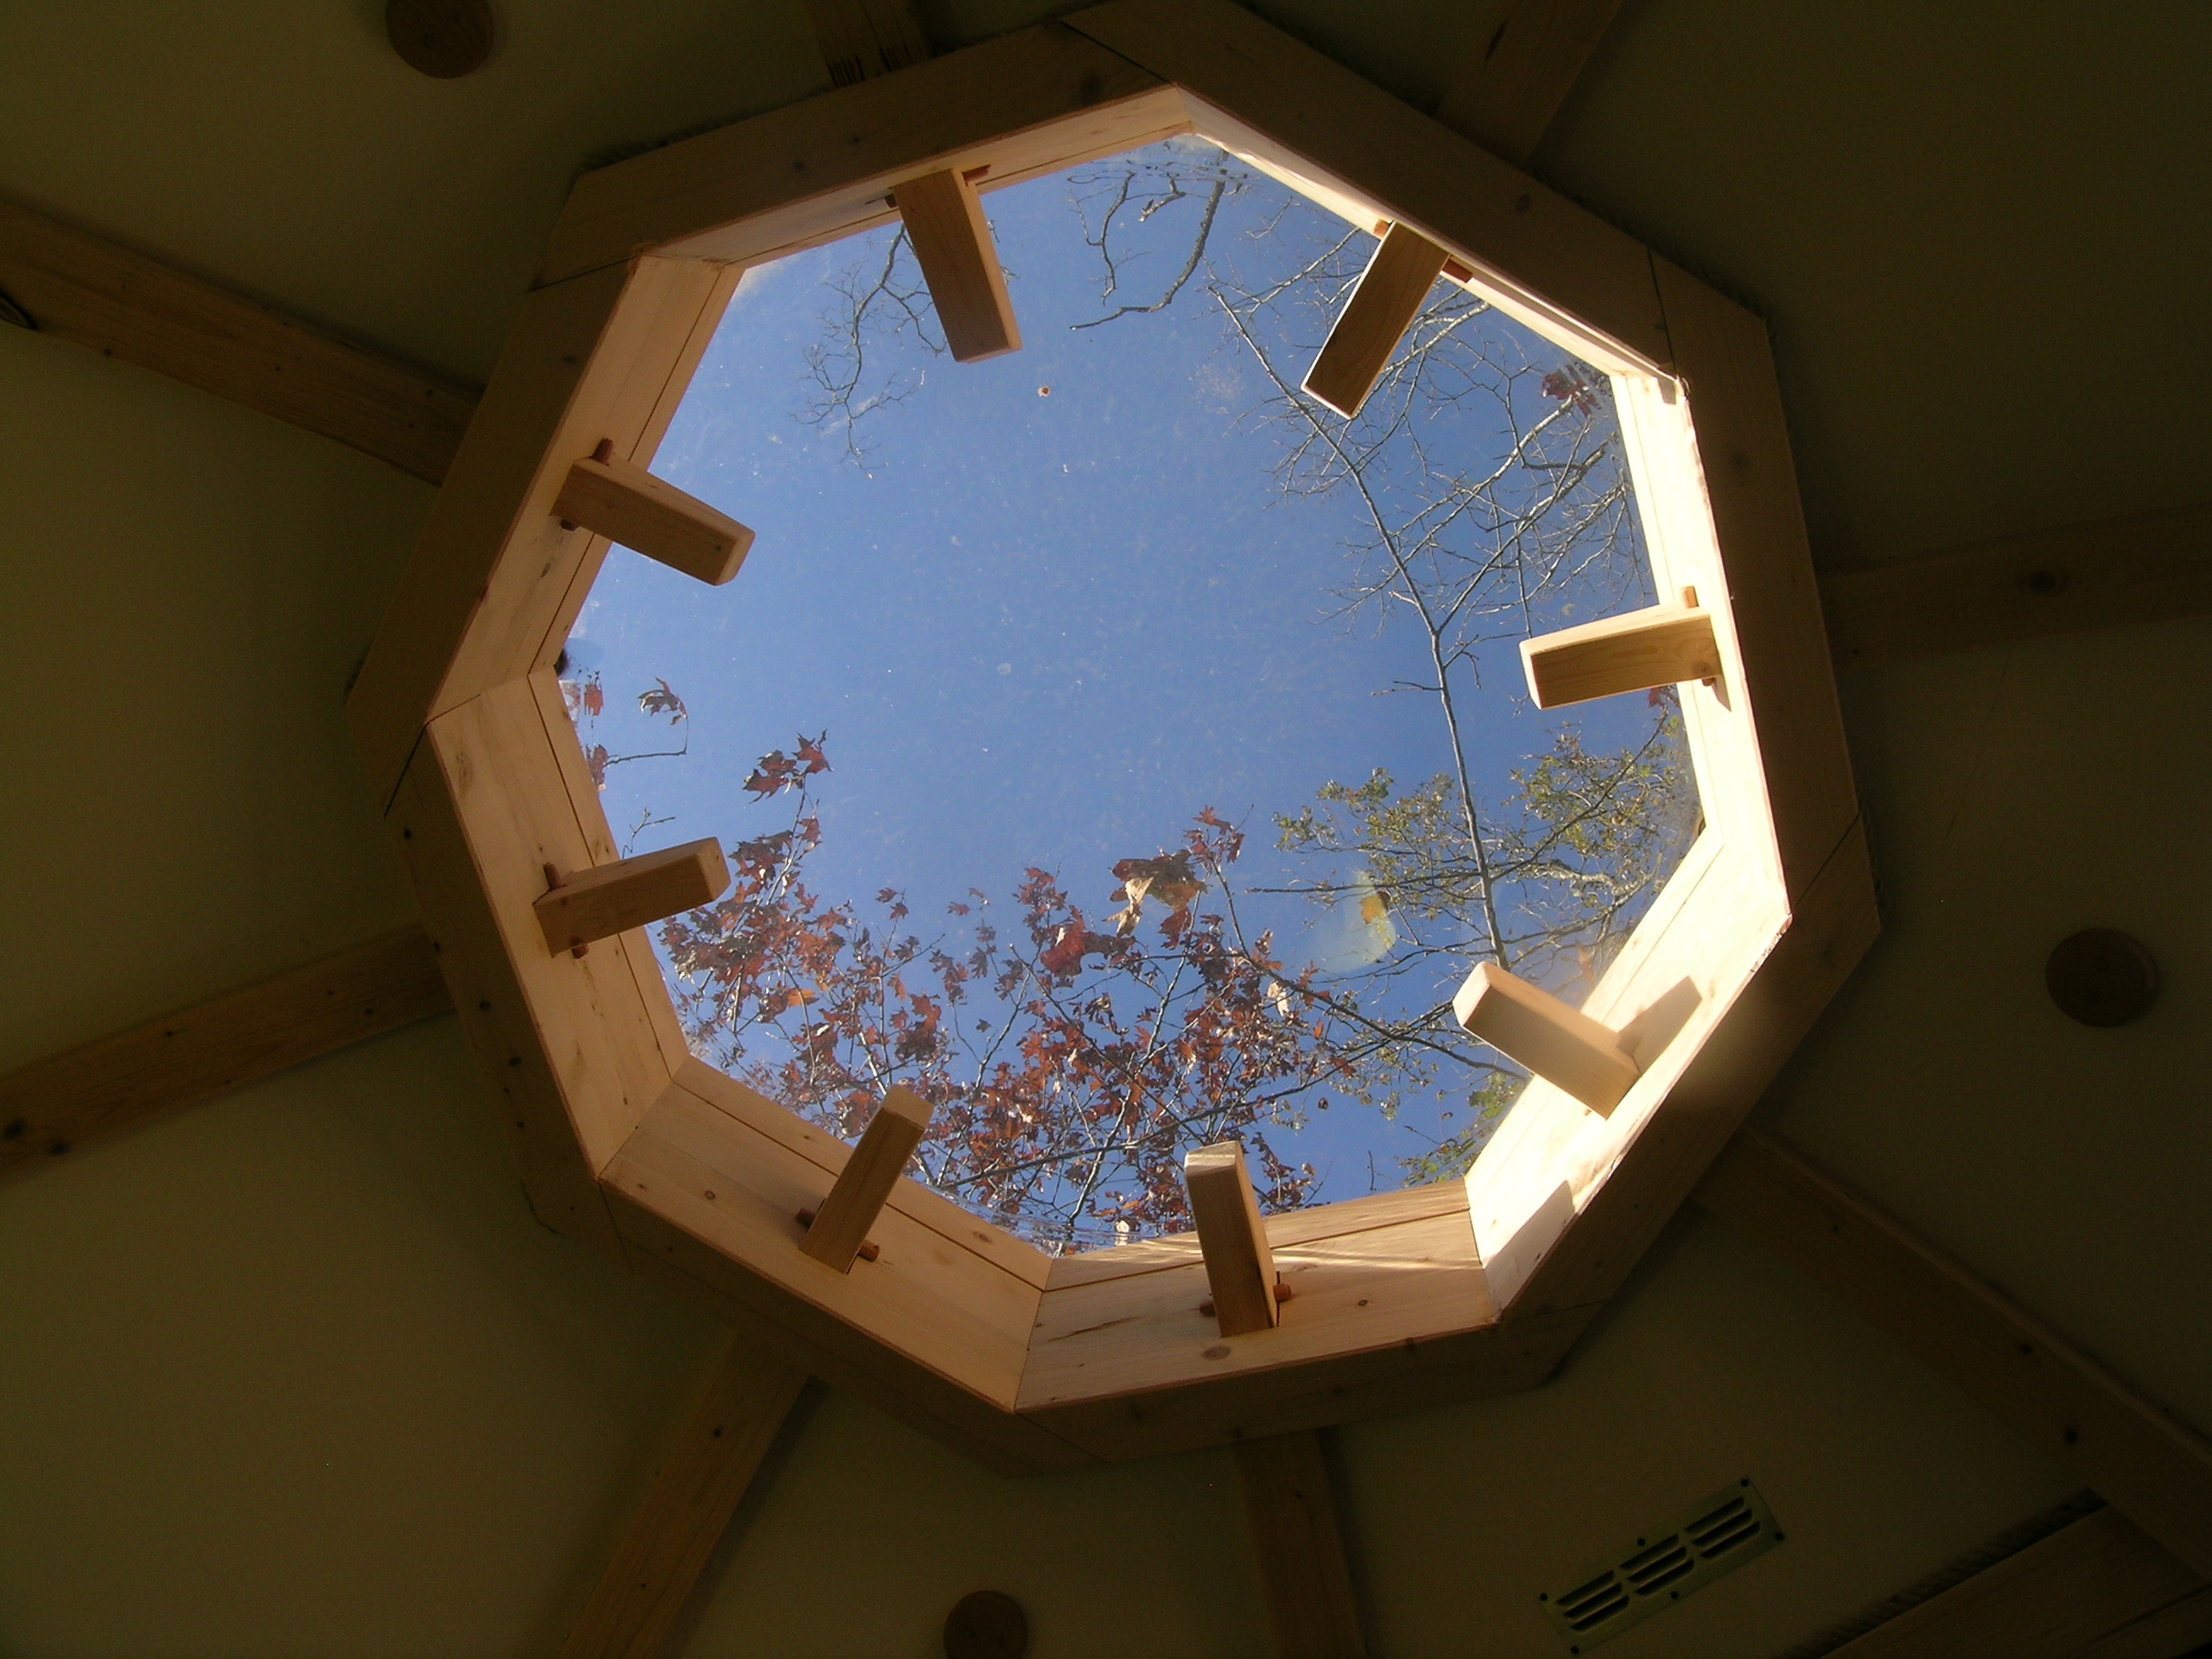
(987, 1625)
(2101, 977)
(444, 39)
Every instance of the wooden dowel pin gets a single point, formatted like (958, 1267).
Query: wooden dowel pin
(1239, 1266)
(1561, 1045)
(607, 899)
(1662, 645)
(623, 501)
(951, 242)
(1384, 304)
(838, 1230)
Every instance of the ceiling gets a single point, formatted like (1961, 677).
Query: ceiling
(296, 1373)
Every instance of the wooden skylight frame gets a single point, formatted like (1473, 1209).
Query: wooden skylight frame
(628, 1143)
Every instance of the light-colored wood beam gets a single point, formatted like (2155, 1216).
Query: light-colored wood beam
(63, 1104)
(79, 286)
(1506, 91)
(2141, 569)
(2099, 1587)
(1240, 1267)
(1291, 1504)
(623, 501)
(717, 1453)
(1559, 1044)
(1367, 331)
(1665, 645)
(839, 1228)
(2138, 1459)
(951, 242)
(862, 39)
(581, 906)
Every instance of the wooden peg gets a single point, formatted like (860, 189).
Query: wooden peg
(1559, 1044)
(617, 498)
(1239, 1266)
(1374, 318)
(839, 1230)
(952, 244)
(1664, 646)
(613, 898)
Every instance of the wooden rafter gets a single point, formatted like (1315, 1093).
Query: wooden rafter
(94, 1093)
(861, 39)
(2145, 568)
(717, 1452)
(77, 286)
(1509, 87)
(2148, 1466)
(1290, 1503)
(2098, 1589)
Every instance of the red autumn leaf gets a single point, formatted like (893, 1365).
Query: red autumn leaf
(594, 698)
(663, 700)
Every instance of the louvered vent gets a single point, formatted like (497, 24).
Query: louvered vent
(1661, 1567)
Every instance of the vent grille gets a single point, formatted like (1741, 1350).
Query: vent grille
(1662, 1567)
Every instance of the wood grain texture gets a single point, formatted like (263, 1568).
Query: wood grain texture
(2150, 1467)
(63, 1104)
(603, 900)
(494, 581)
(1562, 1045)
(1829, 929)
(484, 806)
(1506, 91)
(1665, 645)
(1291, 1504)
(862, 39)
(951, 242)
(856, 1198)
(1240, 1268)
(623, 502)
(1727, 368)
(2141, 569)
(1033, 101)
(82, 288)
(718, 1451)
(1257, 92)
(1382, 306)
(2100, 1586)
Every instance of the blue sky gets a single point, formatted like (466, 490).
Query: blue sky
(1038, 628)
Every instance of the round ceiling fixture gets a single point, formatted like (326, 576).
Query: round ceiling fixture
(2101, 977)
(444, 39)
(987, 1625)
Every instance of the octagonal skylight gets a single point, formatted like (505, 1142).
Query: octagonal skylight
(1114, 743)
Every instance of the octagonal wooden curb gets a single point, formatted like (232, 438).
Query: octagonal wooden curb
(1401, 1300)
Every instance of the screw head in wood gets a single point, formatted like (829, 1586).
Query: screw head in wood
(443, 38)
(987, 1625)
(2101, 977)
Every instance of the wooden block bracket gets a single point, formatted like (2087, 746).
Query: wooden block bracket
(838, 1230)
(625, 503)
(607, 899)
(951, 242)
(1382, 306)
(1664, 645)
(1562, 1045)
(1240, 1267)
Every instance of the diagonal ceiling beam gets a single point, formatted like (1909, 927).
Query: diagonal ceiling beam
(2145, 1464)
(59, 280)
(2099, 1589)
(1291, 1505)
(718, 1449)
(74, 1100)
(1505, 92)
(2144, 567)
